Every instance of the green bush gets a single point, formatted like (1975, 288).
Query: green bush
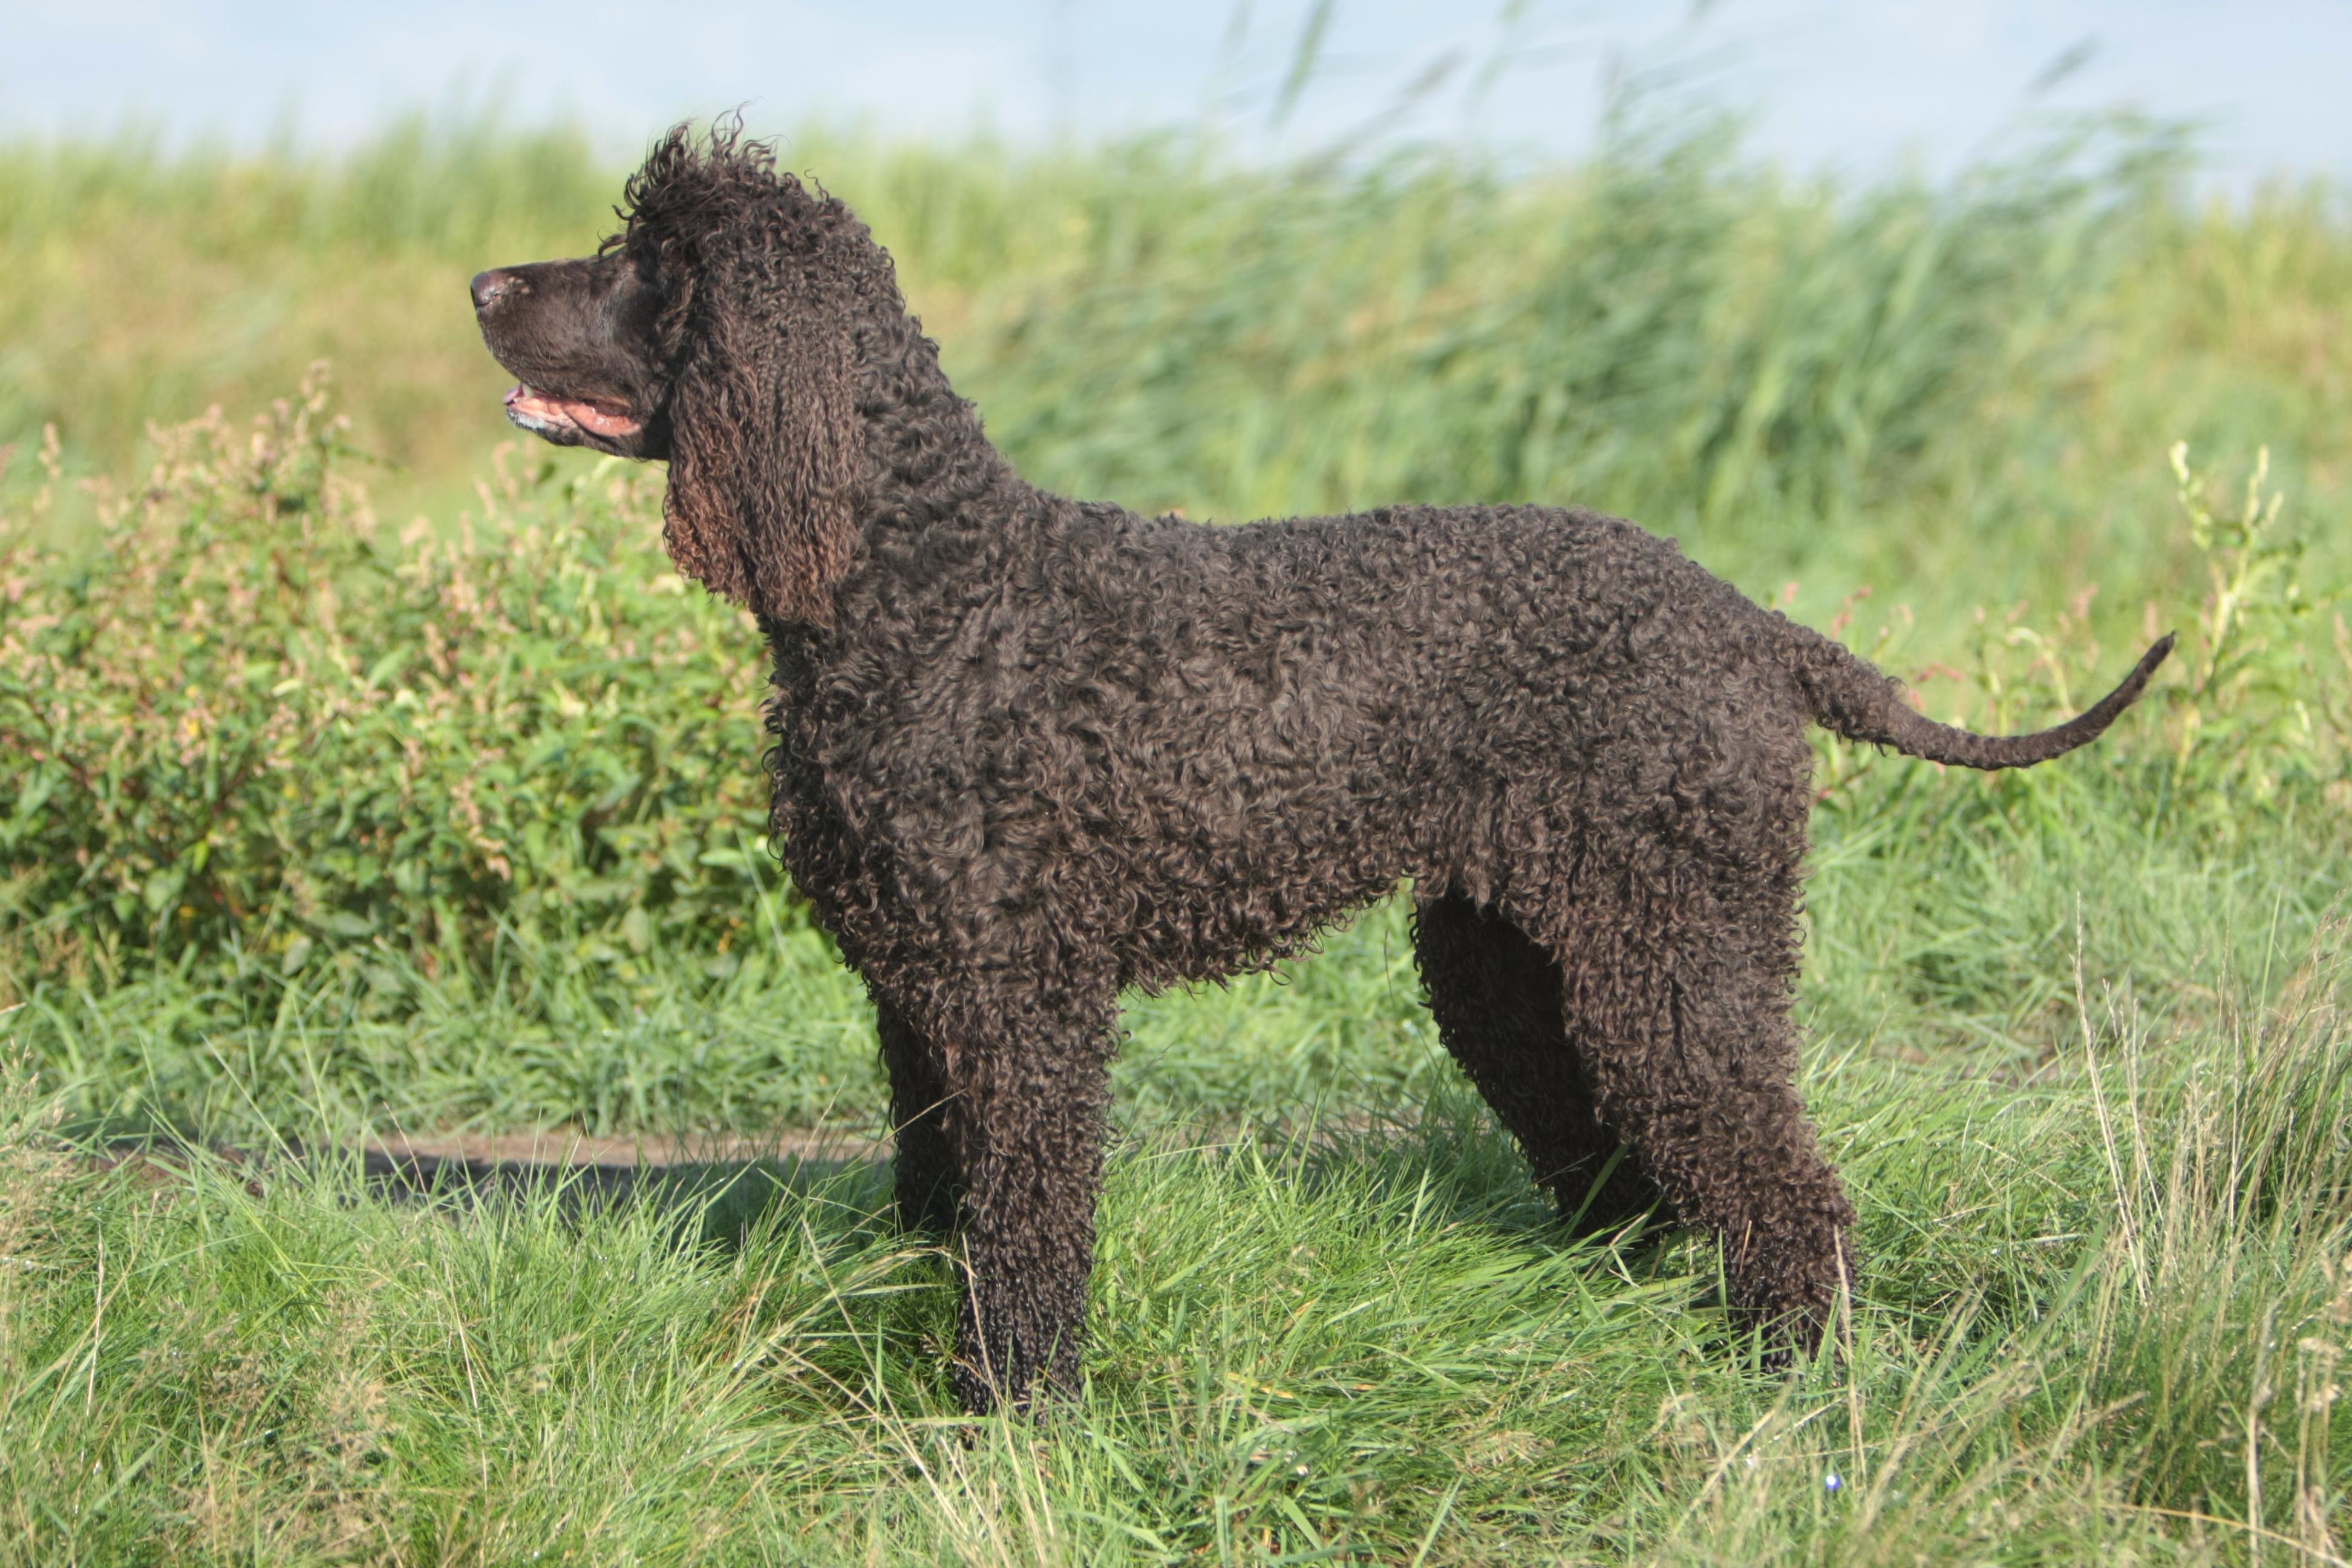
(242, 723)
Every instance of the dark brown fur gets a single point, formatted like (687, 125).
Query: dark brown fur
(1032, 751)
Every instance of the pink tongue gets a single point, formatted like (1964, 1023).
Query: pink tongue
(568, 411)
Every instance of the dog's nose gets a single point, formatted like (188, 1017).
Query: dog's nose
(489, 287)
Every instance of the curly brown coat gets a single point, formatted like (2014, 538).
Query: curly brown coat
(1032, 751)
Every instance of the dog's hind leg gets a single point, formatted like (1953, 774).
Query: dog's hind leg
(1495, 997)
(1679, 973)
(930, 1177)
(1028, 1081)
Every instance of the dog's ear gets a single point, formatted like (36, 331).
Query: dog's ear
(764, 455)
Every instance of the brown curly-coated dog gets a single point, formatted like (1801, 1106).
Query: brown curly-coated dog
(1032, 751)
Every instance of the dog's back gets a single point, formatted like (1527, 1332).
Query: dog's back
(1217, 740)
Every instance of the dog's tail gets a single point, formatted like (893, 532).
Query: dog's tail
(1848, 695)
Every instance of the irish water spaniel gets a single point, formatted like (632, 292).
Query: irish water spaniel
(1031, 750)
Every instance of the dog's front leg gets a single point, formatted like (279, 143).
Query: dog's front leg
(1028, 1085)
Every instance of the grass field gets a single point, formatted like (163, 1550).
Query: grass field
(356, 773)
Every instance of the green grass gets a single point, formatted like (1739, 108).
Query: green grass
(2099, 1307)
(315, 820)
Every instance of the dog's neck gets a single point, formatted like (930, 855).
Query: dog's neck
(933, 483)
(939, 513)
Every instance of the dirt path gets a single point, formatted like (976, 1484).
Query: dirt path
(577, 1165)
(581, 1167)
(566, 1147)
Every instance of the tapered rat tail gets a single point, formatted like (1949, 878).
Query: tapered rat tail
(1848, 695)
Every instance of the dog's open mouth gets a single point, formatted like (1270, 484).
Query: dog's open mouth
(545, 414)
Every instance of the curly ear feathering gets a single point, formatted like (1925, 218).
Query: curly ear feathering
(764, 436)
(1031, 751)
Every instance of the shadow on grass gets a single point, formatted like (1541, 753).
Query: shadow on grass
(1445, 1160)
(720, 1201)
(1447, 1154)
(716, 1201)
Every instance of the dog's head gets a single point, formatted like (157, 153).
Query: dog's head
(584, 336)
(717, 330)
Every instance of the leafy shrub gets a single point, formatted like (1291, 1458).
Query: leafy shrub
(246, 723)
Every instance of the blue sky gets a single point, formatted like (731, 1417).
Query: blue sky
(1849, 84)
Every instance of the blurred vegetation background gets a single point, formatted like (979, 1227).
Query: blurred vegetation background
(1963, 389)
(361, 765)
(356, 754)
